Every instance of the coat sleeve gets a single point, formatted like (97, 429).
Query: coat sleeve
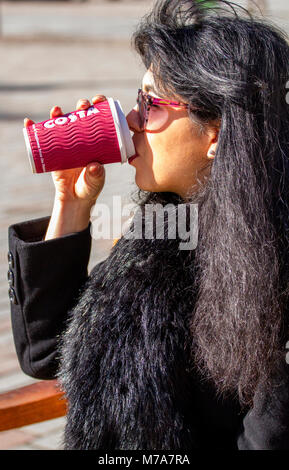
(266, 425)
(44, 281)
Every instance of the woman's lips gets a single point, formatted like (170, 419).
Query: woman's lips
(133, 157)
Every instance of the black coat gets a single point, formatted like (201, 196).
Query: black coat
(157, 403)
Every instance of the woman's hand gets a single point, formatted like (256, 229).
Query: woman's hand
(77, 184)
(76, 189)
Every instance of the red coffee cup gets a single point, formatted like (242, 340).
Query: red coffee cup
(99, 133)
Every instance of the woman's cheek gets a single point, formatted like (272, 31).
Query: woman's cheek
(158, 145)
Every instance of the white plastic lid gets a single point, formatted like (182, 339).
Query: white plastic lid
(126, 145)
(130, 150)
(29, 151)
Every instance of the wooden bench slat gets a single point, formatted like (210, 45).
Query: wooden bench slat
(31, 404)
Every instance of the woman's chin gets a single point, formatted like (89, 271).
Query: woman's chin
(141, 183)
(144, 179)
(146, 185)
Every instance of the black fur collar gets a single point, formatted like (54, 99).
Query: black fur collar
(125, 354)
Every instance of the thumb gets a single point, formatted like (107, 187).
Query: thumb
(91, 181)
(94, 171)
(94, 177)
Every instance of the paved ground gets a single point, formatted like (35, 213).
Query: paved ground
(55, 53)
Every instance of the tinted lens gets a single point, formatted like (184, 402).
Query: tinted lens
(151, 117)
(157, 118)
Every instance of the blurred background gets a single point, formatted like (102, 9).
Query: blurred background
(53, 53)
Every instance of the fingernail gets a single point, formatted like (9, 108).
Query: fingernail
(26, 120)
(98, 98)
(83, 102)
(96, 170)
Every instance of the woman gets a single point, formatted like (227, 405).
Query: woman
(165, 348)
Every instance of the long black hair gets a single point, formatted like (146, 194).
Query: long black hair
(232, 67)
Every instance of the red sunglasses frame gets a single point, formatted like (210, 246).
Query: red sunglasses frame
(148, 100)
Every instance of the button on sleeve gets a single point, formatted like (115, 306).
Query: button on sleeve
(10, 260)
(12, 296)
(10, 277)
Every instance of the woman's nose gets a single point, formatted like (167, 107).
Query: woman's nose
(133, 120)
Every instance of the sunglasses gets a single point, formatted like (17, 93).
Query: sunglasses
(146, 103)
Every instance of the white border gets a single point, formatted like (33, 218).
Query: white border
(118, 129)
(129, 146)
(29, 151)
